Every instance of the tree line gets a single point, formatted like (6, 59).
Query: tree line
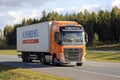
(103, 24)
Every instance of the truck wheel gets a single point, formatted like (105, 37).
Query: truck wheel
(42, 59)
(55, 61)
(23, 57)
(79, 64)
(28, 57)
(30, 60)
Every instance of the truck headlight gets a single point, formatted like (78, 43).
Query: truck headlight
(62, 57)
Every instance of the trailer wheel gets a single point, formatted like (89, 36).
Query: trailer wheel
(30, 60)
(42, 59)
(23, 57)
(28, 57)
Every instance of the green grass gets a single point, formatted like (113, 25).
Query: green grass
(104, 47)
(10, 73)
(12, 52)
(2, 47)
(109, 57)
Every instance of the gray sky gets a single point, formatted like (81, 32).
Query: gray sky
(13, 11)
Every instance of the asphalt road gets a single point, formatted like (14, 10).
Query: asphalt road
(91, 70)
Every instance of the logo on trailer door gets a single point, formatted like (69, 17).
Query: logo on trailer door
(30, 36)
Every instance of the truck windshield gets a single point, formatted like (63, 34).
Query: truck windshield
(72, 38)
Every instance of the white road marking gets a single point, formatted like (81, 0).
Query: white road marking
(2, 59)
(95, 65)
(92, 72)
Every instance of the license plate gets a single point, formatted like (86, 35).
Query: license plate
(72, 62)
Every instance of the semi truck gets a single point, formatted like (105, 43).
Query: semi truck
(52, 42)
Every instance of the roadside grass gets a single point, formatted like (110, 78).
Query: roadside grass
(10, 73)
(12, 52)
(100, 56)
(2, 47)
(104, 47)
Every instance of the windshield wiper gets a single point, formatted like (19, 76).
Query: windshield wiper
(78, 40)
(72, 40)
(67, 40)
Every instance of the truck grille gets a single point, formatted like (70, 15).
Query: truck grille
(73, 54)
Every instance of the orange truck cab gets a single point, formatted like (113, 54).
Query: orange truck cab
(67, 42)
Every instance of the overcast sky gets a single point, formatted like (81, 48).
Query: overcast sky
(13, 11)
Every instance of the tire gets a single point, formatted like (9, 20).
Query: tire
(79, 64)
(30, 60)
(55, 61)
(28, 57)
(42, 59)
(23, 57)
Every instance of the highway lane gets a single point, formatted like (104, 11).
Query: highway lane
(91, 70)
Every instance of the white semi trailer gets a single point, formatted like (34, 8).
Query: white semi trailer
(57, 42)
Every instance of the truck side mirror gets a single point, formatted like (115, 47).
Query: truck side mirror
(57, 37)
(86, 38)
